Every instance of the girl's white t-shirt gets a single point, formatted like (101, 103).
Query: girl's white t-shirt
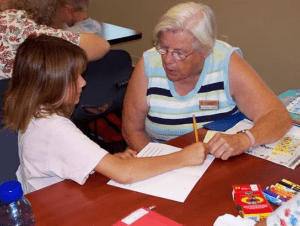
(53, 149)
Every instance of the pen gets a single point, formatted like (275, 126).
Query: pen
(195, 128)
(151, 207)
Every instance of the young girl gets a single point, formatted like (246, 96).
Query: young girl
(46, 85)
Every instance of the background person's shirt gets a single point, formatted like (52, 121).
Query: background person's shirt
(15, 27)
(88, 26)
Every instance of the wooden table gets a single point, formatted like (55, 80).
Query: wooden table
(96, 203)
(115, 34)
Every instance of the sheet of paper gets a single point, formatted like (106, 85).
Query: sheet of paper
(284, 152)
(174, 185)
(210, 134)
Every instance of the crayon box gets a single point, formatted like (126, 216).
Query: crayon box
(250, 202)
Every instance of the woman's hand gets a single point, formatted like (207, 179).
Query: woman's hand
(225, 145)
(127, 154)
(195, 154)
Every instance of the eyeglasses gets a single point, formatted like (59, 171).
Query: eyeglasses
(176, 54)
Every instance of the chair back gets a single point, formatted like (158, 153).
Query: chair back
(106, 81)
(9, 158)
(3, 86)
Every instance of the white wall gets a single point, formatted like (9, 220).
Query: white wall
(267, 31)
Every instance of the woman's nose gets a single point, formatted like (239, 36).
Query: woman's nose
(168, 57)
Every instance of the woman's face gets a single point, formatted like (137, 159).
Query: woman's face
(180, 41)
(74, 97)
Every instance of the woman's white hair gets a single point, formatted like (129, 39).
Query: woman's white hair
(196, 18)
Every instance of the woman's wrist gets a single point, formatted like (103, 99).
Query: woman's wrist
(246, 142)
(250, 136)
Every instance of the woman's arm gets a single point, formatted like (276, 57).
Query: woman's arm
(136, 169)
(135, 109)
(255, 99)
(95, 46)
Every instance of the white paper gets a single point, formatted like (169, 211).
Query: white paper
(174, 185)
(284, 152)
(210, 134)
(244, 124)
(135, 216)
(230, 220)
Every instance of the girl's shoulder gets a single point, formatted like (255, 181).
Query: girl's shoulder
(55, 120)
(52, 122)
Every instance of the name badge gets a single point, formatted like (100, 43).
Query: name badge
(209, 104)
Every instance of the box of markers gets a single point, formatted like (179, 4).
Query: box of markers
(281, 192)
(250, 202)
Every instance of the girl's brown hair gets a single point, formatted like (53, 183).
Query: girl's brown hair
(44, 68)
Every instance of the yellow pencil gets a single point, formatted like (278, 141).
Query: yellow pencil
(195, 128)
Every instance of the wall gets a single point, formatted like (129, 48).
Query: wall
(267, 31)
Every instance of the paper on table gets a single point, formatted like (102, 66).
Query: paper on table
(230, 220)
(244, 124)
(145, 217)
(174, 185)
(284, 152)
(210, 134)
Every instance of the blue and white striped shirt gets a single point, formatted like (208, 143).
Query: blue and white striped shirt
(170, 115)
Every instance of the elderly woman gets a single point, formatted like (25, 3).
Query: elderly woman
(190, 72)
(20, 18)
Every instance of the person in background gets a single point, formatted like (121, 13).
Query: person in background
(190, 72)
(21, 18)
(77, 17)
(1, 5)
(45, 86)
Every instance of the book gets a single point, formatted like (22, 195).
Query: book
(289, 99)
(145, 217)
(226, 123)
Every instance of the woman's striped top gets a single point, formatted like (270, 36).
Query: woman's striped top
(170, 115)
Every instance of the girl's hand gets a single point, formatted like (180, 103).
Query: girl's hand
(195, 154)
(127, 154)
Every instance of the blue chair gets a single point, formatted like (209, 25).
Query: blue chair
(106, 80)
(9, 160)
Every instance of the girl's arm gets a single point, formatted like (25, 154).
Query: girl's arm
(131, 170)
